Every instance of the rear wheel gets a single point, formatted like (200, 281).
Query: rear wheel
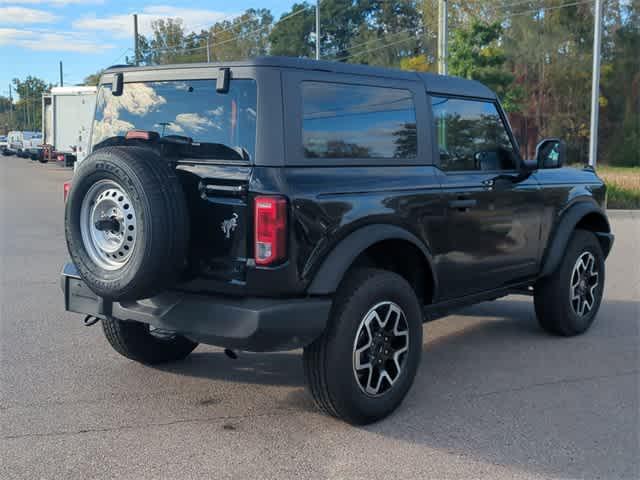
(567, 301)
(142, 343)
(363, 365)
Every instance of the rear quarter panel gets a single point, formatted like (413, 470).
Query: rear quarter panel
(328, 204)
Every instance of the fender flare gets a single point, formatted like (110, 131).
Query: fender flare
(329, 276)
(564, 229)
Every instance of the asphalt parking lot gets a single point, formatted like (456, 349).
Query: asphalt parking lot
(494, 397)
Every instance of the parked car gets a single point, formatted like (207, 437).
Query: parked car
(281, 203)
(19, 143)
(14, 142)
(3, 143)
(33, 146)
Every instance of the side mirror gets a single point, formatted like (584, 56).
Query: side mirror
(551, 153)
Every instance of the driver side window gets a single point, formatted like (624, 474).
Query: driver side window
(471, 136)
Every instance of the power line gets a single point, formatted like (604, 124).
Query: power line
(571, 4)
(120, 56)
(380, 38)
(228, 19)
(545, 9)
(375, 49)
(508, 5)
(286, 17)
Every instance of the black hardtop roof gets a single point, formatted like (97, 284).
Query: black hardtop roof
(444, 84)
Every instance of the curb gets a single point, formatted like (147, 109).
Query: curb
(624, 213)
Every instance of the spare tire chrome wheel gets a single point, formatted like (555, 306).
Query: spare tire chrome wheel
(127, 223)
(108, 224)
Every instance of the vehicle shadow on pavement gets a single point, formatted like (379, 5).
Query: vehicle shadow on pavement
(283, 369)
(493, 387)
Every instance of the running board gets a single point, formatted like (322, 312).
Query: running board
(442, 309)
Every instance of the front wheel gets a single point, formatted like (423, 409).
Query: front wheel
(567, 301)
(142, 343)
(363, 365)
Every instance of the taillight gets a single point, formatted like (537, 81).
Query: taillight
(60, 157)
(270, 229)
(65, 189)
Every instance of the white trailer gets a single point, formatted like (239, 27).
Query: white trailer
(67, 113)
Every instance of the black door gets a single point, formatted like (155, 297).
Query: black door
(493, 209)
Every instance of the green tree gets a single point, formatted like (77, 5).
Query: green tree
(475, 53)
(27, 114)
(620, 107)
(390, 33)
(243, 37)
(93, 79)
(5, 115)
(419, 63)
(168, 43)
(293, 35)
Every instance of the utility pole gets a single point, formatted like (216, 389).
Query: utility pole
(61, 80)
(208, 49)
(317, 29)
(443, 36)
(135, 39)
(595, 84)
(10, 106)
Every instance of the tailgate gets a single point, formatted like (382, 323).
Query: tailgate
(220, 222)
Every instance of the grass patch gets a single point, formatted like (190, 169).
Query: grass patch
(623, 186)
(622, 198)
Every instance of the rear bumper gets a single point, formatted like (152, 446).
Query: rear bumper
(251, 324)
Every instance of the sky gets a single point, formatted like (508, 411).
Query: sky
(88, 35)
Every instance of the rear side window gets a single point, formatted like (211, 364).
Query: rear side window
(355, 121)
(471, 135)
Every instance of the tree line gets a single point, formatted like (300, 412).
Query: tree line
(536, 55)
(25, 112)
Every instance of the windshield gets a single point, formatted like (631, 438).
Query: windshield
(214, 125)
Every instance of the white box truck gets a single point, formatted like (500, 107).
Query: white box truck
(67, 113)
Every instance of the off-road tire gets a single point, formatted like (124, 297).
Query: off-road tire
(160, 252)
(134, 341)
(552, 294)
(328, 361)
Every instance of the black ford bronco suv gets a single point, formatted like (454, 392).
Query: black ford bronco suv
(281, 203)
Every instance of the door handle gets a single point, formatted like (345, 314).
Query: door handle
(463, 204)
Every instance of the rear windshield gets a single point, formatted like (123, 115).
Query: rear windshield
(213, 125)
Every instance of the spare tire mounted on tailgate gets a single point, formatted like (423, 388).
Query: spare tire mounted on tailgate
(126, 223)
